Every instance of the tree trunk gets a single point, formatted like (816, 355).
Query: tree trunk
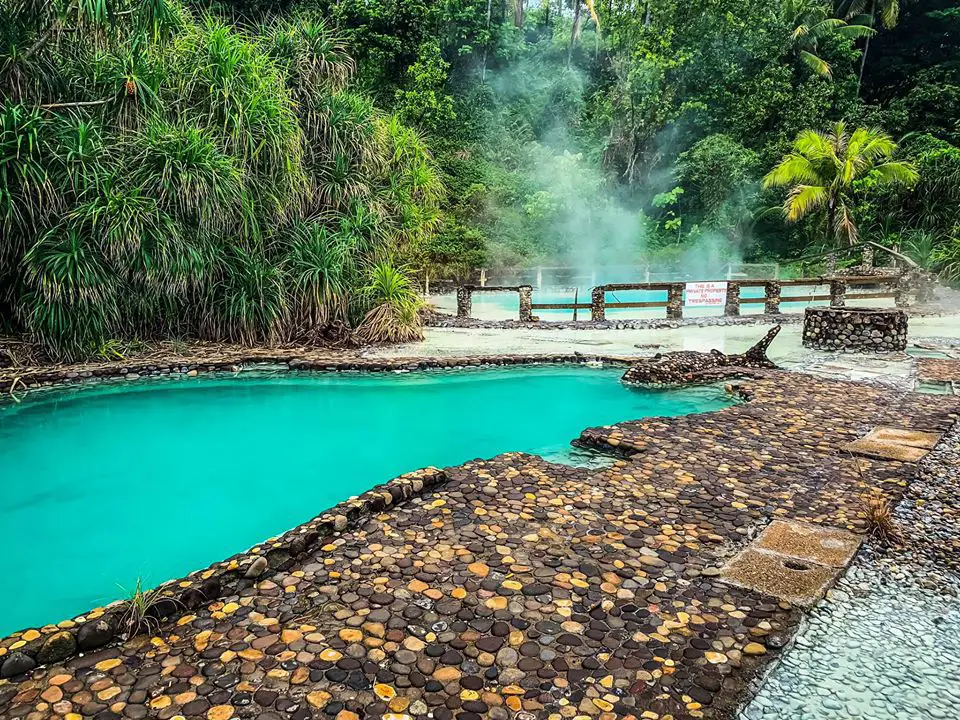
(518, 13)
(574, 31)
(832, 221)
(486, 45)
(866, 45)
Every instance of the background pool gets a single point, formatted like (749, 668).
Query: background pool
(506, 305)
(158, 478)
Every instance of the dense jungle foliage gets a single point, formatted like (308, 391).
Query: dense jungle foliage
(271, 170)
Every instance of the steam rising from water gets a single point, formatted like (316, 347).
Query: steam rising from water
(584, 223)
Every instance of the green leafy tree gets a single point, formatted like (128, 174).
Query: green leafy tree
(822, 170)
(812, 25)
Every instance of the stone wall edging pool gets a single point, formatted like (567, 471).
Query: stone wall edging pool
(26, 649)
(67, 375)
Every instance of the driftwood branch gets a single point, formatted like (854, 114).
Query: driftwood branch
(81, 103)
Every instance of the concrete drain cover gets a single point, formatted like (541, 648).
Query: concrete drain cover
(890, 443)
(793, 561)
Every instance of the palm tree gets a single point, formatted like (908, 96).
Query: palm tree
(823, 167)
(889, 11)
(812, 22)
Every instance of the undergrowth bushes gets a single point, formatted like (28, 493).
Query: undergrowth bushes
(163, 174)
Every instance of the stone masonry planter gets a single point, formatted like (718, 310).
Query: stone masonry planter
(843, 329)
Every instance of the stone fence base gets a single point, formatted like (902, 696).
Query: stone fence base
(855, 329)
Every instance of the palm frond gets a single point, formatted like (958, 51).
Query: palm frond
(804, 199)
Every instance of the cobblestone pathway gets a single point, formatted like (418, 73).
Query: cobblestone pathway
(522, 589)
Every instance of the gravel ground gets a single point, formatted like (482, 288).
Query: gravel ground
(882, 647)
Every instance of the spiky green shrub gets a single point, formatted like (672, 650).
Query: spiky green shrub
(394, 314)
(164, 174)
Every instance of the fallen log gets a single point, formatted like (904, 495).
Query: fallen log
(684, 367)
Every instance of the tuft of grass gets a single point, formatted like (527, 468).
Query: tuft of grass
(878, 511)
(139, 615)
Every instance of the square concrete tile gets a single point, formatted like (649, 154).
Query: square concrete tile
(903, 436)
(891, 443)
(886, 450)
(799, 582)
(806, 541)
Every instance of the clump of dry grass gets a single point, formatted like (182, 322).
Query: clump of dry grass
(878, 511)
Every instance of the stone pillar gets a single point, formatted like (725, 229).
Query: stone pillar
(597, 304)
(771, 295)
(526, 300)
(902, 289)
(675, 301)
(732, 306)
(464, 301)
(867, 262)
(831, 263)
(838, 293)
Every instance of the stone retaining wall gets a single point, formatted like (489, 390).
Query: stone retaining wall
(855, 329)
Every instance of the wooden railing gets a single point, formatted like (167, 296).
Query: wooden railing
(884, 286)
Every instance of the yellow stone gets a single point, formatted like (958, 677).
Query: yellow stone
(417, 586)
(513, 702)
(230, 607)
(319, 699)
(603, 704)
(469, 695)
(458, 593)
(446, 674)
(105, 665)
(384, 692)
(220, 712)
(30, 635)
(350, 635)
(479, 568)
(330, 655)
(251, 654)
(110, 692)
(512, 585)
(399, 704)
(160, 702)
(496, 603)
(60, 679)
(715, 657)
(289, 636)
(755, 649)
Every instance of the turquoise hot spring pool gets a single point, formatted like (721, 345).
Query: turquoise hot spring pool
(154, 479)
